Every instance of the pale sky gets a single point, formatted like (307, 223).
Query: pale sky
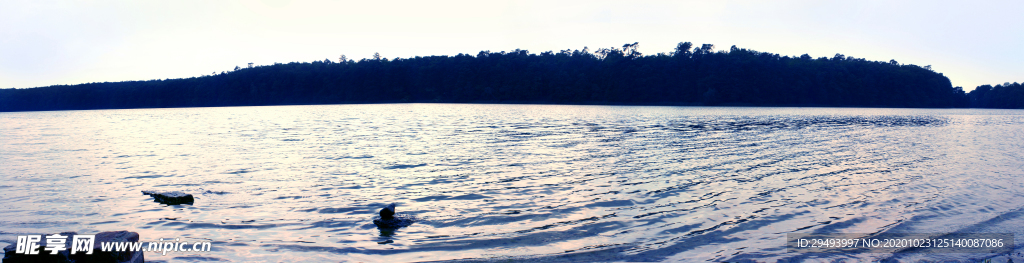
(69, 42)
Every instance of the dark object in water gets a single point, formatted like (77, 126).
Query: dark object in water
(170, 198)
(98, 255)
(394, 222)
(388, 212)
(388, 220)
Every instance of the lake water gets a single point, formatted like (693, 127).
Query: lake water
(533, 182)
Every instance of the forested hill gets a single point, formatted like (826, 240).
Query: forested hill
(1006, 96)
(688, 76)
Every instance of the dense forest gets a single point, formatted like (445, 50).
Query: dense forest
(1006, 96)
(690, 75)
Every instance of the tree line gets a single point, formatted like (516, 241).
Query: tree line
(689, 75)
(1006, 96)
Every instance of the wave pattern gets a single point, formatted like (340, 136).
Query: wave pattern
(494, 182)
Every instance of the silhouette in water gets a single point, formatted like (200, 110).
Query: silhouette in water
(387, 212)
(387, 221)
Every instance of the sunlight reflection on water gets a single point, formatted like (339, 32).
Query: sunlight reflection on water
(499, 181)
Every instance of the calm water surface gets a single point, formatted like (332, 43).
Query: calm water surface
(536, 182)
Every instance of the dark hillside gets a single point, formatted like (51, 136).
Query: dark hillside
(688, 76)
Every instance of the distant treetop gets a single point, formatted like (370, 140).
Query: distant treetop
(689, 75)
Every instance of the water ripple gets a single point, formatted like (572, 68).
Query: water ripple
(527, 182)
